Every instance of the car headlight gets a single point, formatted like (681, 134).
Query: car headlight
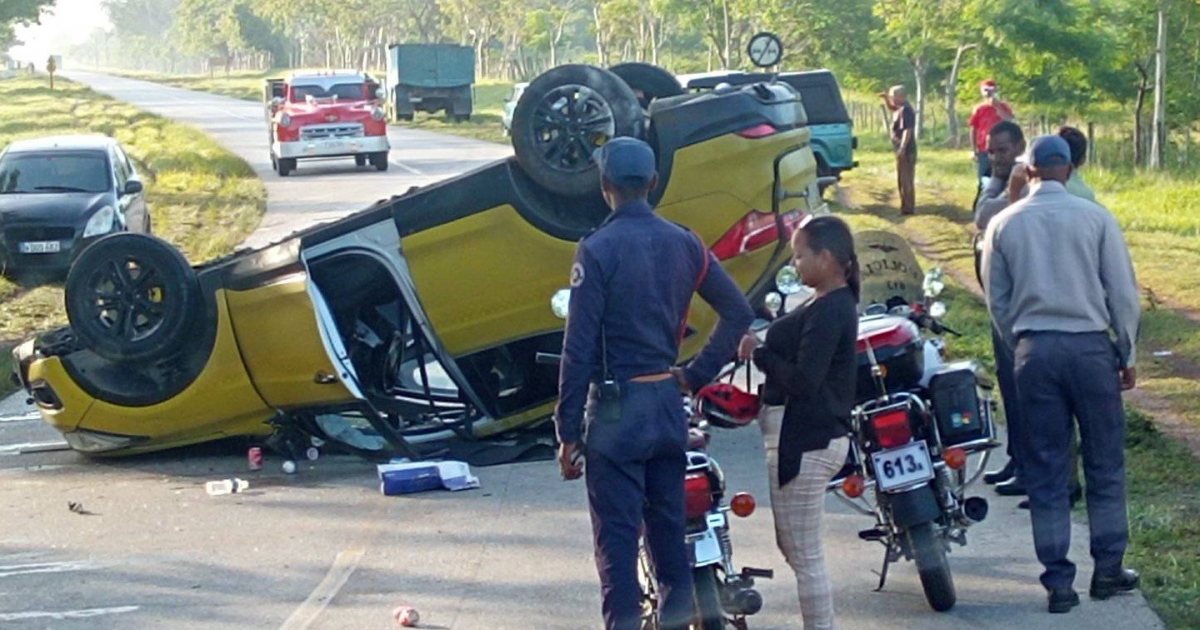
(100, 223)
(377, 113)
(285, 121)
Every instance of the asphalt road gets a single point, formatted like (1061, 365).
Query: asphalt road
(323, 549)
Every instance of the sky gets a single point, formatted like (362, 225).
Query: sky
(70, 23)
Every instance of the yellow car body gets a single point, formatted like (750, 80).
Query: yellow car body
(423, 312)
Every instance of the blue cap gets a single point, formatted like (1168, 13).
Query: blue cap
(1049, 151)
(626, 161)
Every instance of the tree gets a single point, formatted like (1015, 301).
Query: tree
(23, 11)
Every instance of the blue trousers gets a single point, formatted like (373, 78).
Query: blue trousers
(1060, 376)
(634, 473)
(1007, 379)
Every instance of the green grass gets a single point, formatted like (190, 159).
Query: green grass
(484, 124)
(202, 198)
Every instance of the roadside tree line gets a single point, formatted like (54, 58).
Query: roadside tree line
(1091, 58)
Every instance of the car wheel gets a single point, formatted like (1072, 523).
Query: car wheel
(284, 166)
(564, 115)
(380, 161)
(649, 80)
(130, 297)
(360, 160)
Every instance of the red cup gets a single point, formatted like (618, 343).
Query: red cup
(255, 458)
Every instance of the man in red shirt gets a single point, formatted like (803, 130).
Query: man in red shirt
(991, 111)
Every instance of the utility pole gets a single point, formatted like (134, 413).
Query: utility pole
(1159, 136)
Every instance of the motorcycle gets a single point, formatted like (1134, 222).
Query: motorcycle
(918, 423)
(723, 594)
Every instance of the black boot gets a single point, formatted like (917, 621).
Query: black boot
(1105, 585)
(1000, 476)
(1014, 487)
(1062, 600)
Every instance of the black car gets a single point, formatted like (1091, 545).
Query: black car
(57, 195)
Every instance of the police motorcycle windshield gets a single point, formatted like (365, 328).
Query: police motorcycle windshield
(890, 271)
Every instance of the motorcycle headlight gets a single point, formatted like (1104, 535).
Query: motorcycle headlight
(285, 121)
(377, 113)
(773, 302)
(100, 223)
(560, 302)
(938, 310)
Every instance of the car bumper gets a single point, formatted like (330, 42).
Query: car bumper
(13, 259)
(330, 147)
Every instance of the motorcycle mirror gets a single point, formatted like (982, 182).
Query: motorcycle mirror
(759, 325)
(773, 301)
(560, 302)
(788, 281)
(938, 310)
(934, 282)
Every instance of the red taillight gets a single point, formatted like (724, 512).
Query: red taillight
(697, 495)
(892, 429)
(755, 230)
(758, 131)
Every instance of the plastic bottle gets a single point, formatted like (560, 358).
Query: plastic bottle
(226, 486)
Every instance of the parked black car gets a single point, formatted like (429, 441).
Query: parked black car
(58, 194)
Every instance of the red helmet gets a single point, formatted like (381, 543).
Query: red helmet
(726, 405)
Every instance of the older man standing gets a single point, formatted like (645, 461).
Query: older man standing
(1059, 279)
(904, 141)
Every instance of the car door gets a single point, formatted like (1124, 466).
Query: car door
(137, 214)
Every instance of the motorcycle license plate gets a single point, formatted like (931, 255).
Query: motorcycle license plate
(705, 546)
(910, 464)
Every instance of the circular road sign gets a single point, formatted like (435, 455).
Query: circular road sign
(765, 49)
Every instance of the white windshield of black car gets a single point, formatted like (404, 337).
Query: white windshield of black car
(337, 91)
(54, 172)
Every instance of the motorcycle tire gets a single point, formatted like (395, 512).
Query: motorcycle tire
(709, 615)
(933, 567)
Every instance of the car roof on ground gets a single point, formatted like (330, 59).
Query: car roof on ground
(86, 142)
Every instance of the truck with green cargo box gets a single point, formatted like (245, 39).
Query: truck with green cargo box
(430, 78)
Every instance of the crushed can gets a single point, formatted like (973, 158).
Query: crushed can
(254, 458)
(406, 616)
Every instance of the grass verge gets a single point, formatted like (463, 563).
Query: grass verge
(202, 198)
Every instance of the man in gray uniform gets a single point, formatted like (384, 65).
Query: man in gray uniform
(1059, 279)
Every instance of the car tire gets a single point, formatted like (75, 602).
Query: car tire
(380, 161)
(652, 81)
(285, 166)
(555, 147)
(131, 298)
(360, 160)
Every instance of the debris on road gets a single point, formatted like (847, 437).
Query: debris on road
(408, 477)
(1163, 353)
(226, 486)
(254, 458)
(289, 467)
(78, 509)
(406, 616)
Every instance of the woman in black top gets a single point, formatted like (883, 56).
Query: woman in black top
(809, 362)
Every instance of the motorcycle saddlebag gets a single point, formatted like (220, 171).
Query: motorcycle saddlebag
(961, 414)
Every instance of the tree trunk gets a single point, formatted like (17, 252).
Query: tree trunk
(952, 94)
(919, 70)
(1138, 127)
(601, 44)
(1158, 138)
(727, 58)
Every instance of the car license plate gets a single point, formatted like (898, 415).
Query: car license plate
(904, 466)
(40, 247)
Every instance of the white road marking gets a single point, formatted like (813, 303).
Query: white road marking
(25, 417)
(67, 614)
(343, 567)
(45, 567)
(407, 168)
(17, 449)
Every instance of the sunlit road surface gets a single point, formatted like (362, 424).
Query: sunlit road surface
(146, 548)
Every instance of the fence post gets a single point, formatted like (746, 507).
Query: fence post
(1091, 138)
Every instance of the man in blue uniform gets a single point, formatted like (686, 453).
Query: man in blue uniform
(632, 281)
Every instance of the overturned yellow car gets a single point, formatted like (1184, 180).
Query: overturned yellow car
(420, 317)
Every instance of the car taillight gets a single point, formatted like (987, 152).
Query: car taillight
(753, 231)
(758, 131)
(697, 495)
(892, 428)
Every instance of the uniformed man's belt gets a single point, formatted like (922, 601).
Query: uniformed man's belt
(652, 378)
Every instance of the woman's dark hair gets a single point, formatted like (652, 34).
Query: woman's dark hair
(831, 234)
(1078, 143)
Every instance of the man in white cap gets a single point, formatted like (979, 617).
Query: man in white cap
(1059, 281)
